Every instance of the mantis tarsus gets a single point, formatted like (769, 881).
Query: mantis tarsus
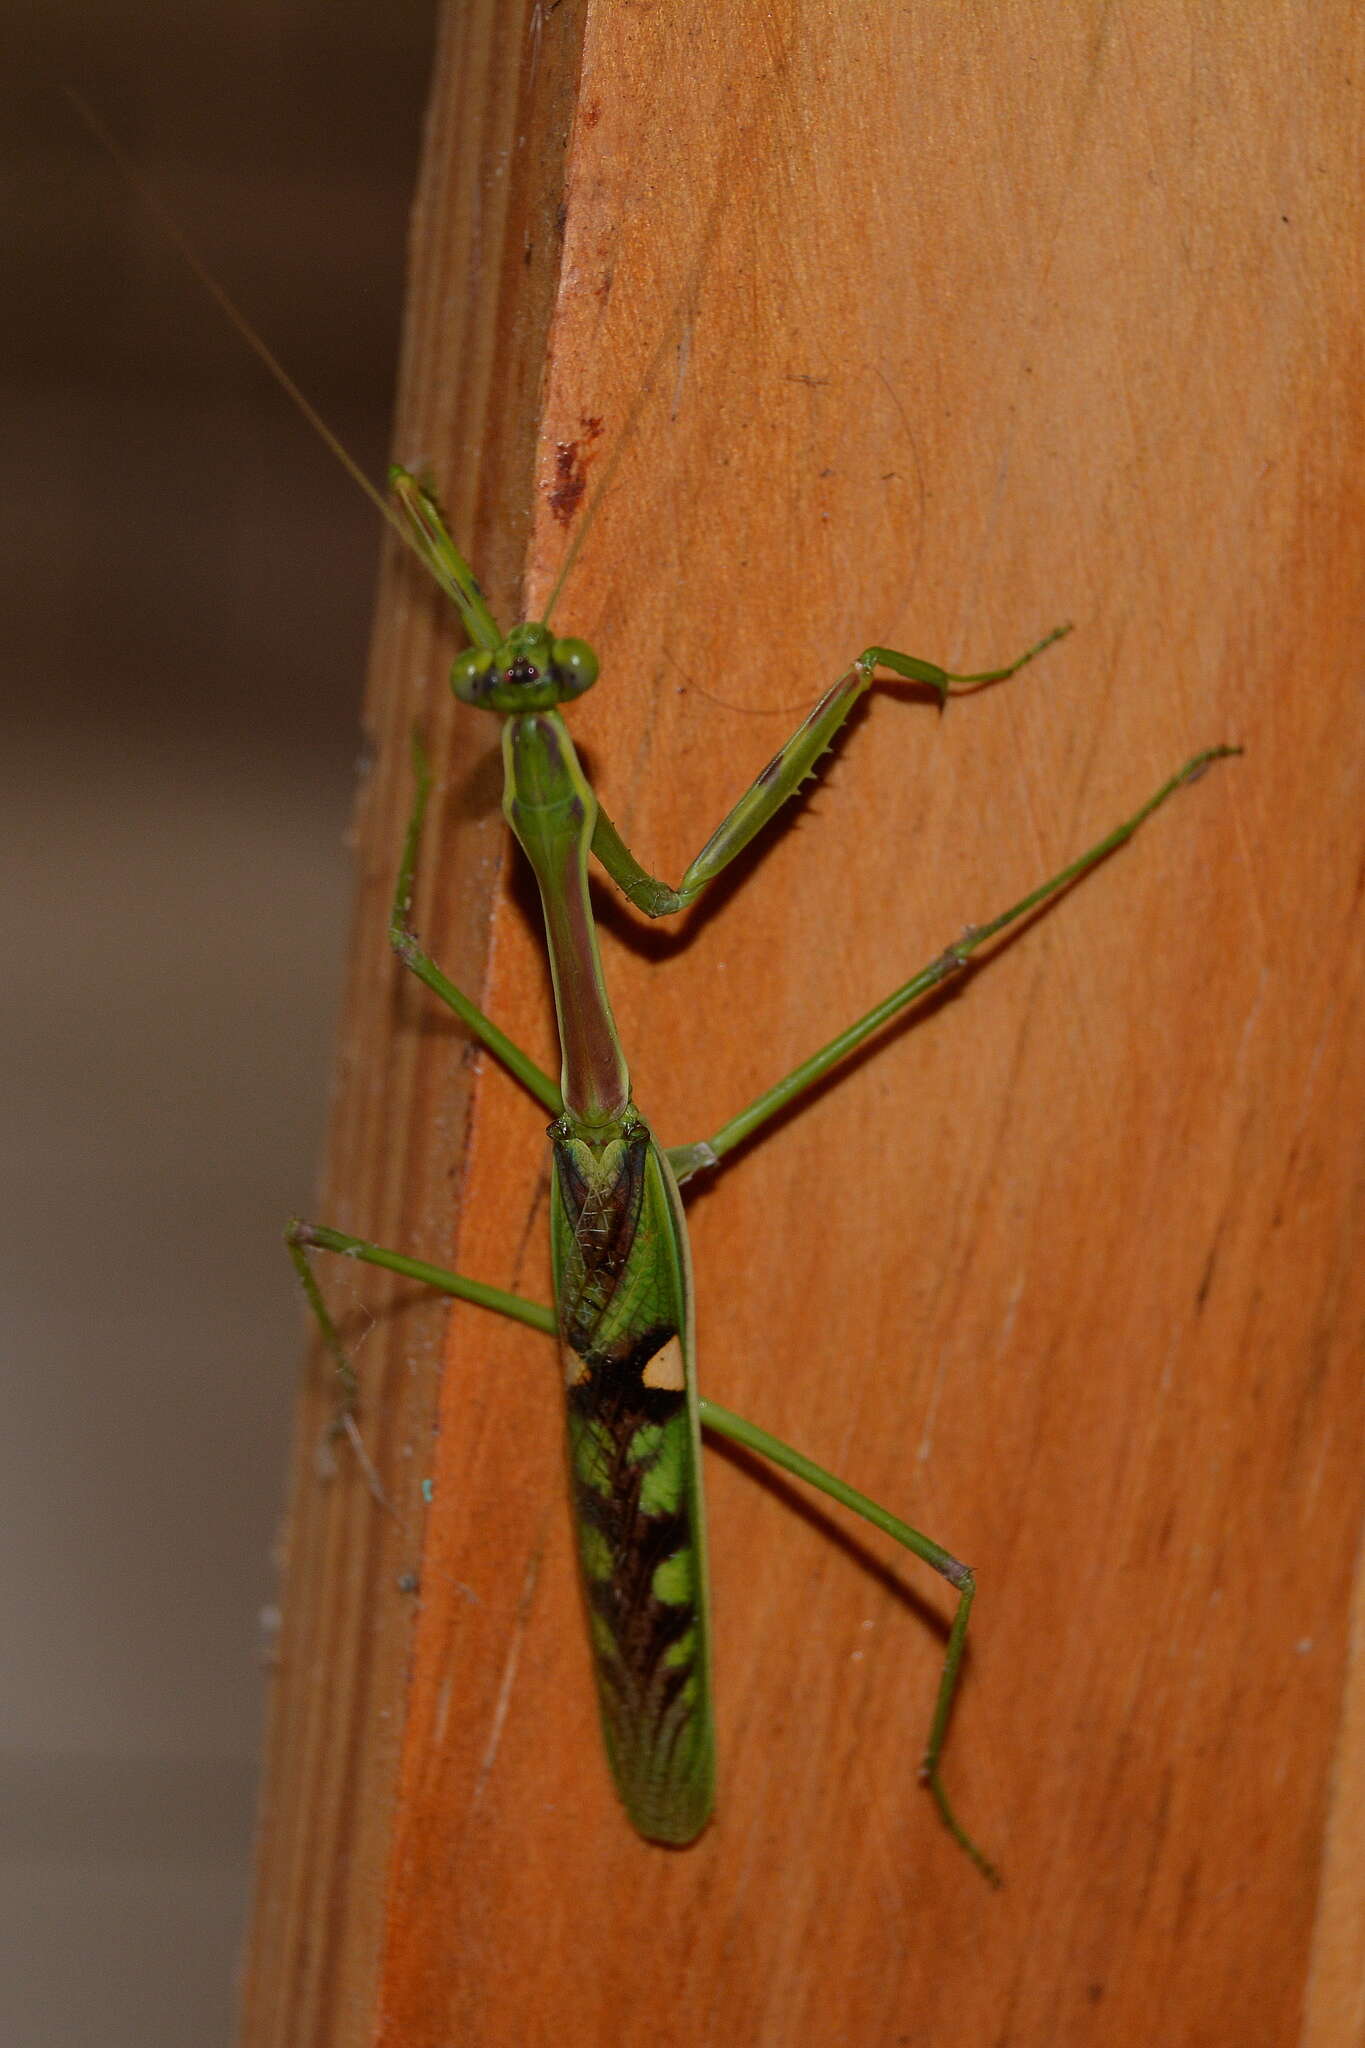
(622, 1275)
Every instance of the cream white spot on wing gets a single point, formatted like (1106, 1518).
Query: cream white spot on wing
(666, 1369)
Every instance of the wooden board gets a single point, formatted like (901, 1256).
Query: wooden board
(889, 327)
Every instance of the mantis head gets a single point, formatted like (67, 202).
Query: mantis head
(528, 669)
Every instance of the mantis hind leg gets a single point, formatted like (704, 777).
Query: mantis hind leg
(302, 1238)
(958, 1575)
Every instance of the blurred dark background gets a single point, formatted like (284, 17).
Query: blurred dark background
(189, 580)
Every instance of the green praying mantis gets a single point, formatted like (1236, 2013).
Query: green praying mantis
(623, 1312)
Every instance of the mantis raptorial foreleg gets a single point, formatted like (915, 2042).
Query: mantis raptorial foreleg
(784, 775)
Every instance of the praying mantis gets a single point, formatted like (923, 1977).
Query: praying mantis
(624, 1307)
(624, 1311)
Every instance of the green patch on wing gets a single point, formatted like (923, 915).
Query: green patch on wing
(661, 1450)
(594, 1551)
(674, 1582)
(680, 1654)
(592, 1448)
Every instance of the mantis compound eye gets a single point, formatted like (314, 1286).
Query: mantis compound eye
(575, 666)
(473, 674)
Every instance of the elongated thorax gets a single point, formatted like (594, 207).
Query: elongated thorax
(552, 811)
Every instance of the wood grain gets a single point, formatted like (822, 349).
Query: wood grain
(927, 330)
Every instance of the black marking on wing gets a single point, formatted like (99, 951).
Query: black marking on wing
(617, 1406)
(633, 1488)
(639, 1686)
